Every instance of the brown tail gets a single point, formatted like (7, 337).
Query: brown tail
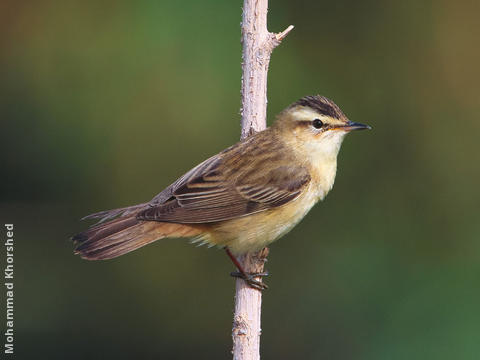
(125, 234)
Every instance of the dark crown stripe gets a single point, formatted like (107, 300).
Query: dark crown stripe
(322, 105)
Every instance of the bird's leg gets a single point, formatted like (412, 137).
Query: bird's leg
(249, 278)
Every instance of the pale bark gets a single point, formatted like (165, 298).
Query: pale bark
(258, 45)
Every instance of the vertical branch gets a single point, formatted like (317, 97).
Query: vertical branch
(258, 45)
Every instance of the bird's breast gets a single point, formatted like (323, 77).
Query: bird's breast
(323, 176)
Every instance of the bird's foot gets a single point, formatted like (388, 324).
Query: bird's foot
(249, 278)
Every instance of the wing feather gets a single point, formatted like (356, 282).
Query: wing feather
(218, 194)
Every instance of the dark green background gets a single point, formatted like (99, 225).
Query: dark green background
(103, 104)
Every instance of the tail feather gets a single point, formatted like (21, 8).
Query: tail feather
(104, 230)
(113, 213)
(122, 235)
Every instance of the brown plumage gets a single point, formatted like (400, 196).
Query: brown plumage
(244, 197)
(120, 236)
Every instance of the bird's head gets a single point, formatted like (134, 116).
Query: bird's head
(315, 126)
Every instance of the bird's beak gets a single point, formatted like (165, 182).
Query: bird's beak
(350, 125)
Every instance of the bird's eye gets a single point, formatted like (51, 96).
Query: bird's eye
(317, 123)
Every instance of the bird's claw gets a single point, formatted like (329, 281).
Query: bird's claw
(249, 278)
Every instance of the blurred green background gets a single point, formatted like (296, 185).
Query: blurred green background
(103, 104)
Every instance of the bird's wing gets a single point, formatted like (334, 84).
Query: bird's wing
(216, 192)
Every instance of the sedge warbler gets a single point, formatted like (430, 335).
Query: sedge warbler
(241, 199)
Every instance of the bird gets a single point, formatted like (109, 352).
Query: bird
(241, 199)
